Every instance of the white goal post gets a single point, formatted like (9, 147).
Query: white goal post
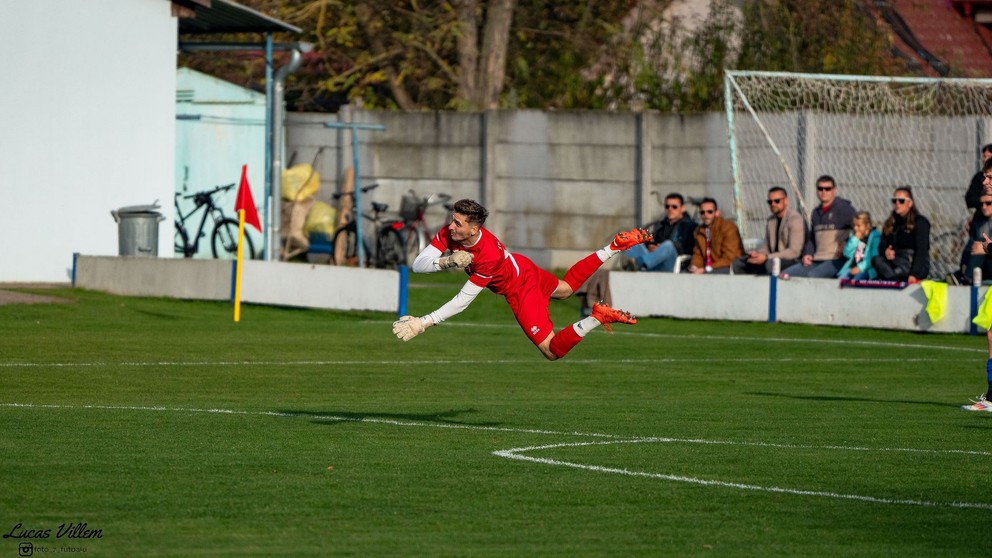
(870, 133)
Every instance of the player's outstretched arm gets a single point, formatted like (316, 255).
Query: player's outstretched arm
(430, 260)
(408, 327)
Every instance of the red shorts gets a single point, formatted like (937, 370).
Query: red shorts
(530, 297)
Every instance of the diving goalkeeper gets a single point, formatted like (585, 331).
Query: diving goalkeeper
(527, 288)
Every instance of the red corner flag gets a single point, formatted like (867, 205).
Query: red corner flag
(246, 202)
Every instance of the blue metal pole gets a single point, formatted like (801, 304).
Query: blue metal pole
(234, 279)
(772, 298)
(974, 308)
(269, 128)
(404, 284)
(358, 199)
(353, 127)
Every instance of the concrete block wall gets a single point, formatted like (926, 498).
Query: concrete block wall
(557, 184)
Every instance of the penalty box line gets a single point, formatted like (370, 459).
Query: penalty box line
(517, 453)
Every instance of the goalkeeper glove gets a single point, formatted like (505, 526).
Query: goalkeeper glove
(460, 259)
(408, 327)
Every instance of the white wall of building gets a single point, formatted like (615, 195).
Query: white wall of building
(88, 125)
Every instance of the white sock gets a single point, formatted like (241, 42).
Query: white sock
(585, 325)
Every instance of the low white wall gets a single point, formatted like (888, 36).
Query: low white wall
(276, 283)
(683, 295)
(705, 297)
(165, 277)
(798, 300)
(320, 286)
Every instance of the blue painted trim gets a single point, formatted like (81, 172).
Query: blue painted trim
(973, 329)
(75, 257)
(234, 278)
(404, 284)
(772, 298)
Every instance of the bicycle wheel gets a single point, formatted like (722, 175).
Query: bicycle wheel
(391, 252)
(182, 246)
(415, 242)
(345, 247)
(224, 241)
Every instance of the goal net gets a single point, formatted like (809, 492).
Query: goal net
(871, 134)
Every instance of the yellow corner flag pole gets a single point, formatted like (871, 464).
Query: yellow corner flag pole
(237, 274)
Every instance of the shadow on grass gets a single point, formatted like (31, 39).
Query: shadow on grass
(441, 417)
(849, 398)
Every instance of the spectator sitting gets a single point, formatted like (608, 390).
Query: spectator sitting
(830, 226)
(974, 193)
(981, 225)
(672, 238)
(861, 247)
(971, 200)
(904, 252)
(785, 236)
(718, 242)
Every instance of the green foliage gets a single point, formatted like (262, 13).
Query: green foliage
(609, 54)
(817, 36)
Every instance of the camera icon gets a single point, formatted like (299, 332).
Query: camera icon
(25, 549)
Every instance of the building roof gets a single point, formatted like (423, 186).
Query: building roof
(225, 16)
(939, 38)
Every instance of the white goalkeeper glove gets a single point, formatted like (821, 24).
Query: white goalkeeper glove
(408, 327)
(460, 259)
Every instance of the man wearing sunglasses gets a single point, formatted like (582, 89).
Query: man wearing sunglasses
(718, 242)
(981, 227)
(785, 236)
(830, 226)
(971, 198)
(672, 238)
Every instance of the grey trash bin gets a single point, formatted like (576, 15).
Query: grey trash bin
(137, 229)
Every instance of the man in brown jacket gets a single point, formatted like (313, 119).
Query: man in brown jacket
(718, 242)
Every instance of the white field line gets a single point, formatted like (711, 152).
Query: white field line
(225, 363)
(517, 453)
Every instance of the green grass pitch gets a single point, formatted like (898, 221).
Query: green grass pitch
(169, 430)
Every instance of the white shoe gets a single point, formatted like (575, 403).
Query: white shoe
(980, 404)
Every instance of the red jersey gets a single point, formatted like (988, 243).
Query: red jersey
(493, 266)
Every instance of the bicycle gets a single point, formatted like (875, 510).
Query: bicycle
(389, 251)
(223, 239)
(416, 235)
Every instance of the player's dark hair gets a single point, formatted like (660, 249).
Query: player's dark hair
(987, 165)
(473, 211)
(987, 148)
(778, 189)
(709, 200)
(675, 196)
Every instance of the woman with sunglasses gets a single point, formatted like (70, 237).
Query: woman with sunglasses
(904, 252)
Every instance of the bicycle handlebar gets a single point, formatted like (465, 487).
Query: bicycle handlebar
(208, 192)
(364, 189)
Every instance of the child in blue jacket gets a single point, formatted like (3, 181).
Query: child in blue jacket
(861, 247)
